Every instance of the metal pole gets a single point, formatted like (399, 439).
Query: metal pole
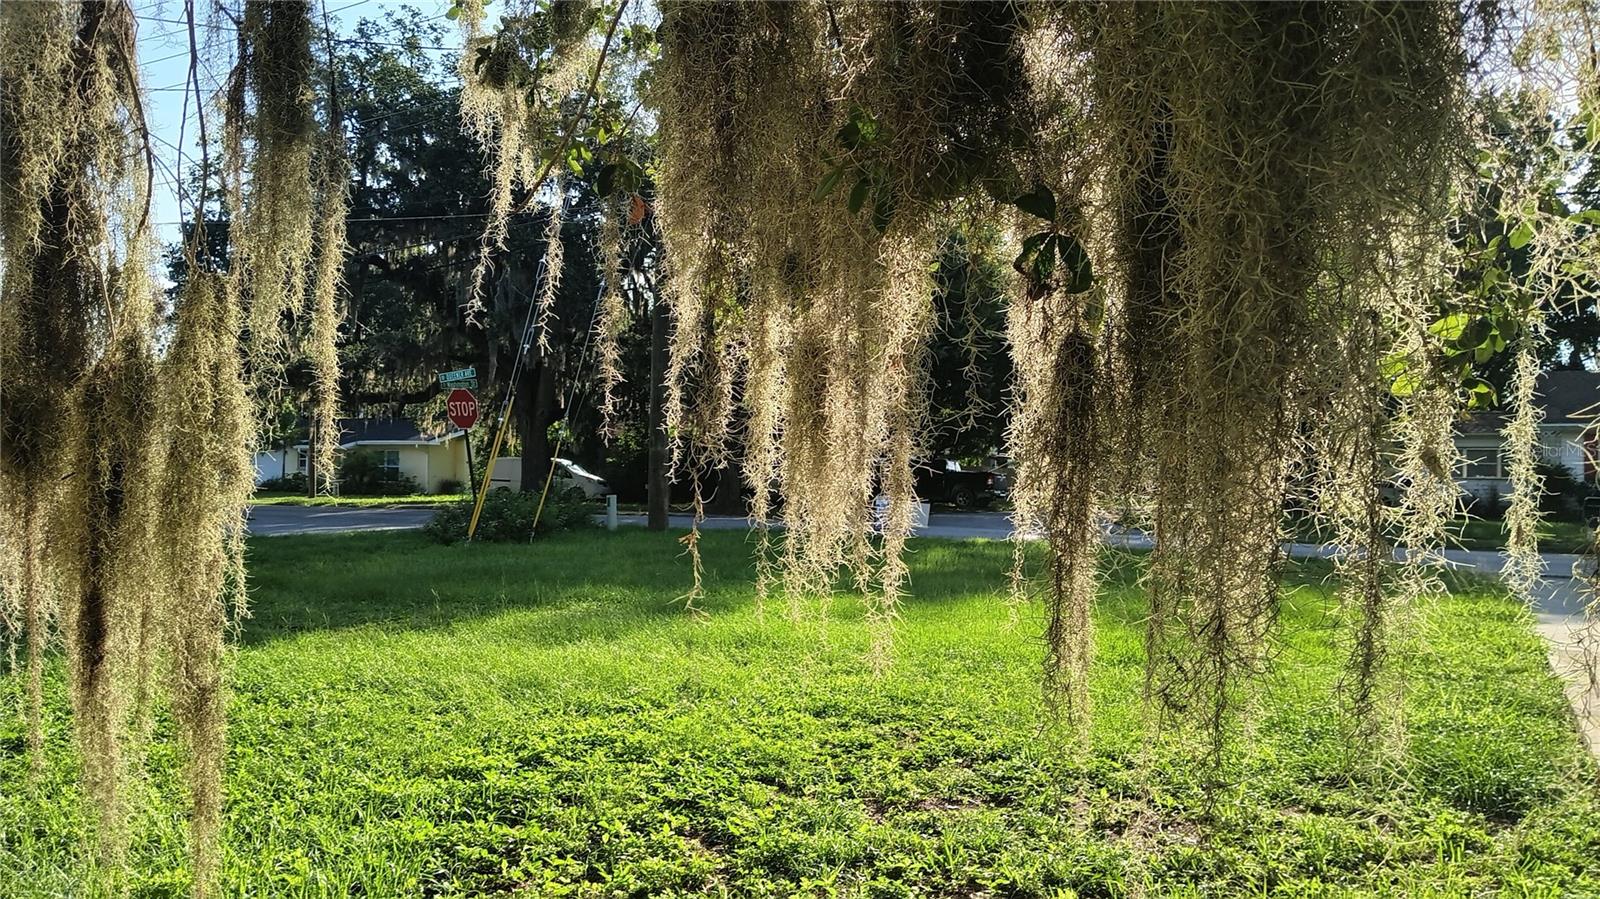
(611, 511)
(488, 470)
(549, 476)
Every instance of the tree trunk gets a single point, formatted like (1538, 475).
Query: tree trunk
(656, 483)
(538, 391)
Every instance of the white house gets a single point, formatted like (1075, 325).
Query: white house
(401, 447)
(1567, 436)
(270, 464)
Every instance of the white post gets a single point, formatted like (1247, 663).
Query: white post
(611, 511)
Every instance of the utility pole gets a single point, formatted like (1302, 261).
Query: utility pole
(656, 482)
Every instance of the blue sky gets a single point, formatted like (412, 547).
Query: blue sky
(164, 63)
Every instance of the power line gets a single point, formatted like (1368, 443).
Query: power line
(404, 45)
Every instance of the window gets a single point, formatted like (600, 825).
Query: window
(389, 461)
(1481, 462)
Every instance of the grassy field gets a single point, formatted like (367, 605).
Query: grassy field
(300, 499)
(419, 720)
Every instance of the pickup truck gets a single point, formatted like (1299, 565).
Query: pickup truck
(945, 481)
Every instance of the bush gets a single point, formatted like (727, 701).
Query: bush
(292, 483)
(1564, 495)
(507, 517)
(451, 487)
(1489, 506)
(363, 474)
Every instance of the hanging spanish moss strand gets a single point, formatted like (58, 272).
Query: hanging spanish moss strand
(512, 105)
(554, 257)
(277, 224)
(322, 347)
(46, 136)
(1234, 250)
(209, 481)
(76, 331)
(1057, 417)
(612, 319)
(1544, 58)
(108, 528)
(820, 306)
(68, 165)
(705, 68)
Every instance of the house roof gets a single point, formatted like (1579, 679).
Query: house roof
(367, 431)
(1567, 396)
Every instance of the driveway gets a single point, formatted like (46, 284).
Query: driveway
(273, 521)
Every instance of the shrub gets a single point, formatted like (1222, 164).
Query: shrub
(1564, 495)
(291, 483)
(363, 474)
(451, 486)
(508, 516)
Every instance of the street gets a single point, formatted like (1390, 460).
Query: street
(274, 521)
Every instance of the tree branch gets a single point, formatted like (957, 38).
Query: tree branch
(571, 126)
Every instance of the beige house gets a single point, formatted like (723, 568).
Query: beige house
(1570, 400)
(401, 447)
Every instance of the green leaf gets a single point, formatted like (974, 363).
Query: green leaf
(1031, 246)
(1406, 384)
(1478, 332)
(1586, 216)
(1480, 393)
(1040, 202)
(858, 194)
(860, 131)
(1520, 236)
(1075, 259)
(630, 176)
(828, 182)
(1450, 327)
(1394, 365)
(1044, 261)
(453, 13)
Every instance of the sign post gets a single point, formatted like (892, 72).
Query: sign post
(461, 407)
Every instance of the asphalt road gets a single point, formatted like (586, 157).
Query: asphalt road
(273, 521)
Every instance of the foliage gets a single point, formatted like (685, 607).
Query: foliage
(293, 483)
(508, 517)
(1563, 495)
(361, 473)
(544, 720)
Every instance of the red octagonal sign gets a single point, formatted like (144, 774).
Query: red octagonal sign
(462, 408)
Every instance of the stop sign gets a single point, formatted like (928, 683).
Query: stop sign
(462, 408)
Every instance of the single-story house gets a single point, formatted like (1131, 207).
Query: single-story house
(270, 464)
(402, 447)
(1567, 435)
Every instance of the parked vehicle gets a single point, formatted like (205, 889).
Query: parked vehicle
(571, 479)
(945, 481)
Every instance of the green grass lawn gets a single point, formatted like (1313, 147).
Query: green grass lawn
(300, 499)
(420, 720)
